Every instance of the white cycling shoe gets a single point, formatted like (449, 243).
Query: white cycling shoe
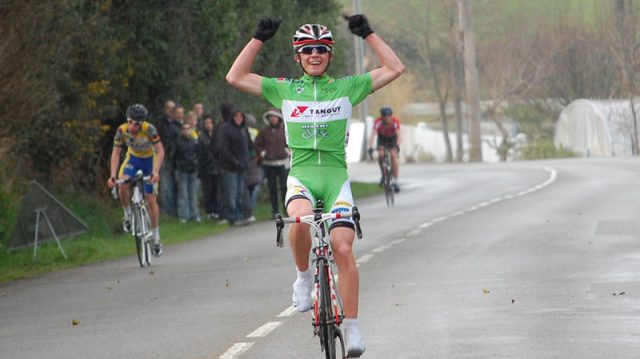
(301, 298)
(354, 343)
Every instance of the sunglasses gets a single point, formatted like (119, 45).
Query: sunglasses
(321, 49)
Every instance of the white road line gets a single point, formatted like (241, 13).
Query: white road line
(414, 232)
(365, 258)
(439, 219)
(425, 225)
(398, 241)
(264, 330)
(236, 350)
(288, 312)
(382, 248)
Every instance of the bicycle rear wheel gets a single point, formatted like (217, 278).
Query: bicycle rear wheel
(328, 331)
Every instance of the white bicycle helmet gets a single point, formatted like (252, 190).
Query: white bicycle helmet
(311, 34)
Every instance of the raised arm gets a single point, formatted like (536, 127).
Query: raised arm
(392, 67)
(240, 75)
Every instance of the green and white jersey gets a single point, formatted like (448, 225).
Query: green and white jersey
(316, 113)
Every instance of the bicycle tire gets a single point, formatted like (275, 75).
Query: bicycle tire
(137, 234)
(388, 190)
(146, 227)
(327, 327)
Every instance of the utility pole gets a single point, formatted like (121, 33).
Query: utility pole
(465, 8)
(364, 108)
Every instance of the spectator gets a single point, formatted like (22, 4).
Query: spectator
(233, 151)
(271, 147)
(192, 119)
(198, 108)
(254, 173)
(169, 131)
(186, 157)
(226, 116)
(208, 168)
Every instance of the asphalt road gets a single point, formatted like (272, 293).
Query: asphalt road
(517, 260)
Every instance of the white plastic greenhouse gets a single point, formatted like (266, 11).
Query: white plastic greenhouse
(596, 128)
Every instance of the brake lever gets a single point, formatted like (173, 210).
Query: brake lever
(279, 227)
(355, 215)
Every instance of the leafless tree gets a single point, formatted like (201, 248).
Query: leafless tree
(512, 66)
(439, 62)
(625, 48)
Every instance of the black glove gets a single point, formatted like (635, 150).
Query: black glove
(266, 29)
(358, 25)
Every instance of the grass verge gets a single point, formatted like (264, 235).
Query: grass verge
(105, 240)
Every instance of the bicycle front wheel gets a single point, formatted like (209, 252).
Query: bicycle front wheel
(138, 234)
(146, 234)
(328, 330)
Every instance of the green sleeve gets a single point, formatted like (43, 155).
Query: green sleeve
(270, 92)
(360, 88)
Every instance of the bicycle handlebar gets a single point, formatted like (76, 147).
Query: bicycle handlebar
(133, 179)
(316, 219)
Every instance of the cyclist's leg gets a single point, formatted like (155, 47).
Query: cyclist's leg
(127, 170)
(299, 203)
(342, 237)
(154, 209)
(393, 153)
(151, 195)
(394, 162)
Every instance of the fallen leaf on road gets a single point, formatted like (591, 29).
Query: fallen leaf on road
(226, 283)
(246, 259)
(623, 293)
(486, 291)
(152, 273)
(75, 322)
(513, 301)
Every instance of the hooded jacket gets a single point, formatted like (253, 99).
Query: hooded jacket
(271, 142)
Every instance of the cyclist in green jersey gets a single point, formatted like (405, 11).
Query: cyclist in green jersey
(316, 110)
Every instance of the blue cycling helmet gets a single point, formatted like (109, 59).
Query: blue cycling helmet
(386, 111)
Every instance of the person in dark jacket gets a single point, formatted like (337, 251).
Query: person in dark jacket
(186, 161)
(168, 134)
(233, 154)
(271, 147)
(254, 173)
(208, 168)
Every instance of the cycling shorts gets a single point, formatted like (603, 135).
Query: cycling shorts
(388, 142)
(132, 164)
(331, 184)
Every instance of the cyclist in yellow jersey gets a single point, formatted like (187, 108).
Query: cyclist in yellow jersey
(144, 152)
(316, 110)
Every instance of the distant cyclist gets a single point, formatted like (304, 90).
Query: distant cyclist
(387, 129)
(316, 110)
(144, 152)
